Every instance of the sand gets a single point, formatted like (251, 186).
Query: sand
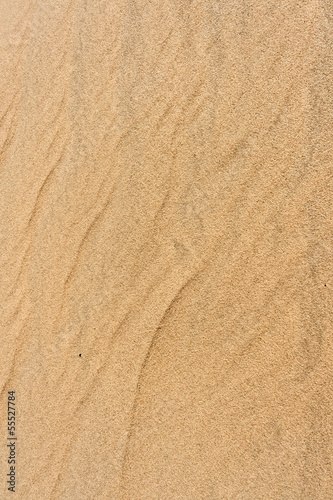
(166, 249)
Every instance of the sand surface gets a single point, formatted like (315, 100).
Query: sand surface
(166, 248)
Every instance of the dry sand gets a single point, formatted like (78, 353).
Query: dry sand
(166, 248)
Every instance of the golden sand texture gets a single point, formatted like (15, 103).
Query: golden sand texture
(166, 248)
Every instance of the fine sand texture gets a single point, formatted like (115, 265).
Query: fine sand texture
(166, 230)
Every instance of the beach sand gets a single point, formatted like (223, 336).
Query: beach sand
(166, 249)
